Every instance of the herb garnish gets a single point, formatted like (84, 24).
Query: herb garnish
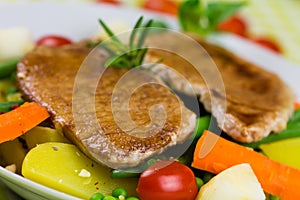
(202, 17)
(126, 55)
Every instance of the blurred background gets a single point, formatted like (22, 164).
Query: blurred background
(271, 23)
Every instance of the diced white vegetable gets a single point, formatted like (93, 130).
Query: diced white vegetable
(235, 183)
(15, 42)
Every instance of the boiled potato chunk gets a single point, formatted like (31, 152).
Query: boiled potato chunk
(15, 42)
(40, 134)
(12, 152)
(63, 167)
(235, 183)
(284, 151)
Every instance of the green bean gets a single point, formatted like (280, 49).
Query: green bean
(292, 130)
(207, 176)
(8, 66)
(124, 174)
(202, 124)
(7, 106)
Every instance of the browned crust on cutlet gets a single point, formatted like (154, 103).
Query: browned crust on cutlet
(47, 76)
(257, 101)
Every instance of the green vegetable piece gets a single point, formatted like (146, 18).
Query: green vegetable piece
(110, 198)
(203, 17)
(8, 106)
(123, 55)
(200, 182)
(292, 131)
(65, 168)
(97, 196)
(123, 174)
(8, 66)
(132, 198)
(119, 191)
(202, 124)
(271, 197)
(207, 176)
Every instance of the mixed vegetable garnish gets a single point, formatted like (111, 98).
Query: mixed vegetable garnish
(272, 167)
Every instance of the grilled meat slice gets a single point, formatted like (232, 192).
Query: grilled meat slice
(47, 76)
(257, 101)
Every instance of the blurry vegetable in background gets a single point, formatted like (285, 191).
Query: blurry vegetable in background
(164, 6)
(203, 17)
(206, 17)
(53, 40)
(276, 178)
(167, 180)
(15, 42)
(236, 182)
(65, 168)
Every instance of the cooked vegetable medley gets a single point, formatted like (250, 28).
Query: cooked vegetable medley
(231, 170)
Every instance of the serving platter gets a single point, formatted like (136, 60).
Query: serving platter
(78, 21)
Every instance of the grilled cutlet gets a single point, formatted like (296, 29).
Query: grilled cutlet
(47, 76)
(257, 101)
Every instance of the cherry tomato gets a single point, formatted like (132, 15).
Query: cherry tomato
(115, 2)
(296, 105)
(265, 42)
(167, 180)
(53, 40)
(165, 6)
(235, 25)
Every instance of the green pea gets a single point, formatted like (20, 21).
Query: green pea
(200, 182)
(110, 198)
(119, 191)
(97, 196)
(132, 198)
(202, 124)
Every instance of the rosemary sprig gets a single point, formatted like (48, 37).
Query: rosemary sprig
(126, 55)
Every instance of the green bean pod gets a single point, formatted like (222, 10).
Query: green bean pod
(124, 174)
(8, 66)
(8, 105)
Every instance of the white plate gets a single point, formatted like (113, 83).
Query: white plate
(78, 21)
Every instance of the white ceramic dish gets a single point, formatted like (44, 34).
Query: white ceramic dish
(79, 20)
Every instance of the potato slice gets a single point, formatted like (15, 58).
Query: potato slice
(235, 183)
(63, 167)
(284, 151)
(40, 134)
(15, 42)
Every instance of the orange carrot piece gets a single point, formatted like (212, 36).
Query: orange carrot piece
(277, 179)
(296, 105)
(22, 119)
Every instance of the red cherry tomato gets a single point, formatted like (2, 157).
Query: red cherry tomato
(235, 25)
(165, 6)
(163, 181)
(115, 2)
(53, 40)
(267, 43)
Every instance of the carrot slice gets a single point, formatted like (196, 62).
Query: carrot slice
(22, 119)
(275, 178)
(296, 105)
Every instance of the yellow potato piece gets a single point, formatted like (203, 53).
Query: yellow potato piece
(40, 134)
(63, 167)
(284, 151)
